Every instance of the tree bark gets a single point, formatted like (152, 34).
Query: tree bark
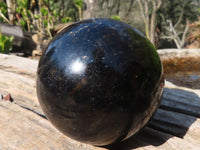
(9, 11)
(153, 27)
(156, 7)
(147, 19)
(144, 8)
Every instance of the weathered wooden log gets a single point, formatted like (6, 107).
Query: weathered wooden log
(59, 27)
(166, 54)
(180, 59)
(176, 124)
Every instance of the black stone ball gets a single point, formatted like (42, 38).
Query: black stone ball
(99, 81)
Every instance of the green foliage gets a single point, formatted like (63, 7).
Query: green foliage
(23, 23)
(173, 19)
(116, 17)
(66, 19)
(53, 8)
(72, 13)
(22, 8)
(5, 43)
(78, 3)
(22, 4)
(44, 11)
(41, 15)
(36, 17)
(45, 22)
(172, 9)
(3, 9)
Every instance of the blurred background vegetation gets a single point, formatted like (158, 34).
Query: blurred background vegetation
(167, 23)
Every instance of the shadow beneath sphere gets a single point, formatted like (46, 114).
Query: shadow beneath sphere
(179, 109)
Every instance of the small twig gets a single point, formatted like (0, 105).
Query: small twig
(181, 16)
(4, 17)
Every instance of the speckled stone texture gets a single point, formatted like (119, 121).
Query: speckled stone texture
(99, 81)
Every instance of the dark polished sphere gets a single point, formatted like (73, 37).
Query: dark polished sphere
(99, 81)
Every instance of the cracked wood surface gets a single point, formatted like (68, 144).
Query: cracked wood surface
(23, 126)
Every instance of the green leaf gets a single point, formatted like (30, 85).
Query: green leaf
(3, 8)
(3, 38)
(44, 11)
(31, 26)
(116, 17)
(78, 3)
(45, 22)
(36, 16)
(23, 23)
(66, 19)
(5, 43)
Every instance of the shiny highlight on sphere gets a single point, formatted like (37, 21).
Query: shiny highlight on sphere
(99, 81)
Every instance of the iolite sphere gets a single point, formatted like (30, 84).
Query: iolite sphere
(99, 81)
